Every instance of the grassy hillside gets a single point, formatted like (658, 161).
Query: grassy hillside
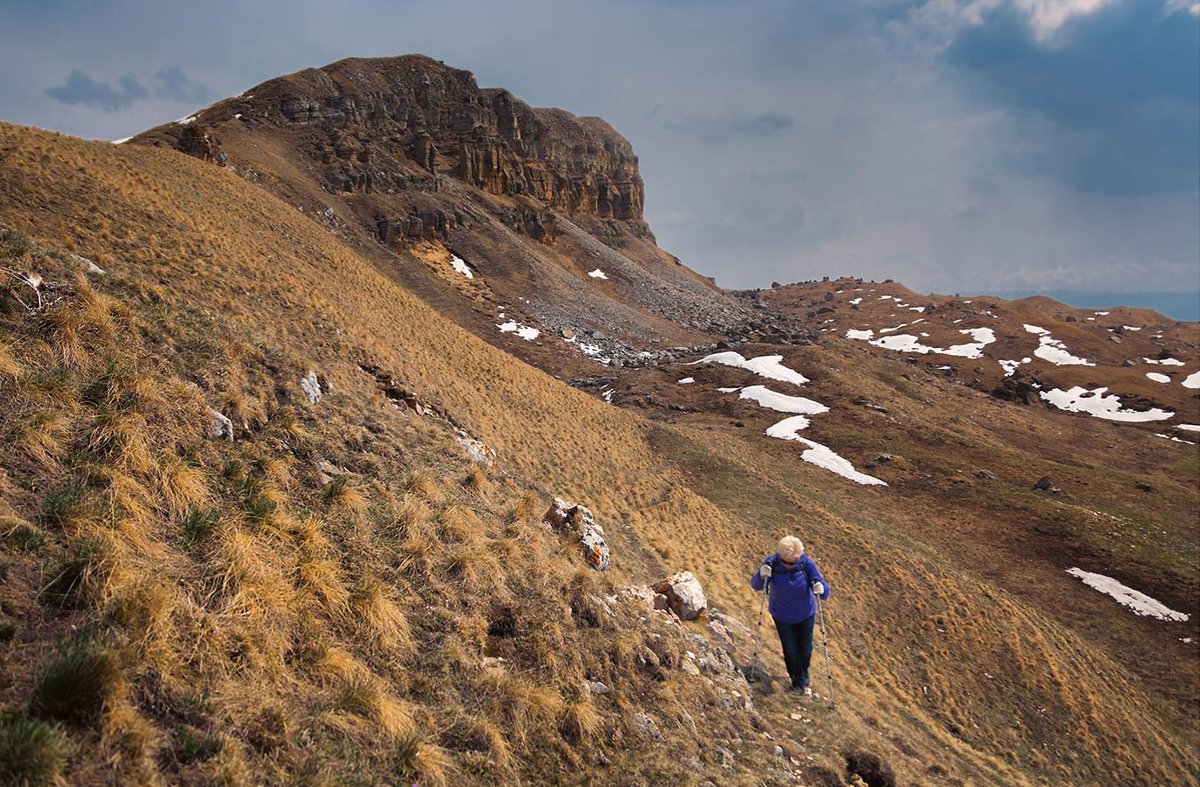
(180, 608)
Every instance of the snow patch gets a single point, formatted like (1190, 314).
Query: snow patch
(820, 455)
(186, 120)
(782, 402)
(728, 390)
(1158, 378)
(524, 331)
(866, 335)
(1188, 427)
(460, 265)
(1173, 439)
(1054, 351)
(1139, 603)
(1131, 327)
(598, 274)
(768, 366)
(687, 381)
(121, 141)
(1192, 380)
(855, 301)
(1081, 400)
(1164, 361)
(907, 343)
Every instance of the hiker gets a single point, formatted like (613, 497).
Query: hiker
(794, 579)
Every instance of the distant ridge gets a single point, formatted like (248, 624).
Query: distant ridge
(1176, 305)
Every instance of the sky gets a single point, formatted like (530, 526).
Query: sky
(952, 145)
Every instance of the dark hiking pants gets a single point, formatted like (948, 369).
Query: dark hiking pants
(797, 641)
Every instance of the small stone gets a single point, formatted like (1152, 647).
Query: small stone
(221, 428)
(987, 474)
(778, 751)
(311, 385)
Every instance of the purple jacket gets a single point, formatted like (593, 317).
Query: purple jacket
(792, 599)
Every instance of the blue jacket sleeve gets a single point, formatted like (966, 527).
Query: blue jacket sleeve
(816, 577)
(756, 581)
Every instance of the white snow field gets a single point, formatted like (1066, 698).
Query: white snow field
(1188, 427)
(768, 366)
(904, 342)
(1192, 380)
(687, 381)
(1054, 351)
(1081, 400)
(1158, 378)
(1164, 361)
(598, 274)
(1140, 603)
(524, 331)
(460, 265)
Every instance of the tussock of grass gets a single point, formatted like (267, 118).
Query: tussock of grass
(42, 437)
(10, 369)
(181, 487)
(77, 686)
(342, 493)
(364, 696)
(380, 618)
(31, 752)
(421, 762)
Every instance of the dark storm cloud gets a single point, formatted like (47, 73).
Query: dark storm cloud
(172, 84)
(715, 131)
(169, 84)
(82, 89)
(1123, 98)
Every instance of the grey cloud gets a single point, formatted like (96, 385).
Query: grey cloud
(717, 130)
(172, 84)
(82, 89)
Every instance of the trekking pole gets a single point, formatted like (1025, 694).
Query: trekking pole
(758, 632)
(825, 646)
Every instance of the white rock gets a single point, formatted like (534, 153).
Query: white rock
(684, 595)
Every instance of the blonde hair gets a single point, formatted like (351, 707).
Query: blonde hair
(790, 546)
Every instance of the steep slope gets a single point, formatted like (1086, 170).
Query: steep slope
(227, 287)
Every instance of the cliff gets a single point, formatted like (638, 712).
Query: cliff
(399, 124)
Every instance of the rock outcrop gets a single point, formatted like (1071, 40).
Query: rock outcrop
(571, 518)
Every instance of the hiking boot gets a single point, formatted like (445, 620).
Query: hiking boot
(807, 691)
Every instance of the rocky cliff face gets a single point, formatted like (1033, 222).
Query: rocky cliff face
(406, 123)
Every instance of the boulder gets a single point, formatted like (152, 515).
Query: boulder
(1043, 484)
(684, 595)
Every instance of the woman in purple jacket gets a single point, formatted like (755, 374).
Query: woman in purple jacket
(794, 579)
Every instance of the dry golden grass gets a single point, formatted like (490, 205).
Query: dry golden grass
(367, 621)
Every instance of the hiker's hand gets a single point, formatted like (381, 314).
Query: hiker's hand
(765, 571)
(818, 588)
